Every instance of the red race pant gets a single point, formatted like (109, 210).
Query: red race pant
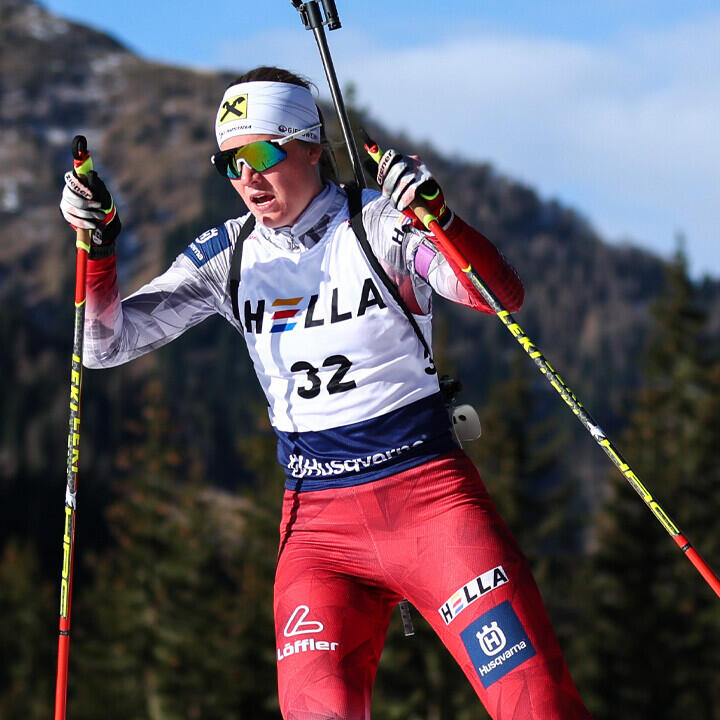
(430, 534)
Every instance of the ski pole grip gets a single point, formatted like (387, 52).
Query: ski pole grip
(422, 213)
(82, 165)
(370, 146)
(82, 162)
(417, 206)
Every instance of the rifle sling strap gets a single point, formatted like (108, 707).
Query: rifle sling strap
(354, 194)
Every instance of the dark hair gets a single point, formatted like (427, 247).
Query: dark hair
(270, 73)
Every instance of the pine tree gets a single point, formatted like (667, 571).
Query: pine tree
(519, 458)
(29, 639)
(654, 625)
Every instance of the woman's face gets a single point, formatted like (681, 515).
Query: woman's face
(277, 196)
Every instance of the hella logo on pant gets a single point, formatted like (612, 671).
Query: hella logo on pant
(472, 591)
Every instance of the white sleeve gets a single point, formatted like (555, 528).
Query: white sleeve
(191, 289)
(408, 255)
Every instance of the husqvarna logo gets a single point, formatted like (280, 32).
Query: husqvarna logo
(207, 235)
(298, 624)
(496, 643)
(492, 639)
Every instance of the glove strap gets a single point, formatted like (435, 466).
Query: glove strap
(98, 252)
(110, 213)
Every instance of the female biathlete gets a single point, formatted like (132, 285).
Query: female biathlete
(380, 503)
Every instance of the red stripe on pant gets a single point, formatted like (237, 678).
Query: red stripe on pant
(430, 534)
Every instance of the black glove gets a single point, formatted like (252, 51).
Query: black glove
(88, 205)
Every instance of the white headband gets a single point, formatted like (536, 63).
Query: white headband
(266, 108)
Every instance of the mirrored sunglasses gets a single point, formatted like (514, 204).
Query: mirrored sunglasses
(260, 155)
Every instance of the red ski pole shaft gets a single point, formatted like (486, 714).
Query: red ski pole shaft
(83, 164)
(447, 248)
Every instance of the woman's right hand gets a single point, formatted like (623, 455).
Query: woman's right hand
(88, 205)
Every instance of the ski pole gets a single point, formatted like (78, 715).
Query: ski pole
(451, 253)
(82, 163)
(312, 18)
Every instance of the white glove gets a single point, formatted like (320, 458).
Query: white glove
(78, 206)
(91, 207)
(400, 176)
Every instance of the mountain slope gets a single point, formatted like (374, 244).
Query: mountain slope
(150, 128)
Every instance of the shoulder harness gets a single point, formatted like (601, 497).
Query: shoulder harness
(234, 278)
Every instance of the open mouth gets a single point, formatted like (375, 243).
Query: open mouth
(262, 200)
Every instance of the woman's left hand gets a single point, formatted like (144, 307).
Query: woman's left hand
(405, 179)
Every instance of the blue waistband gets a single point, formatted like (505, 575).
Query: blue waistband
(367, 450)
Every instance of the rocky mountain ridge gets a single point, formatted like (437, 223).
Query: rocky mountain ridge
(149, 127)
